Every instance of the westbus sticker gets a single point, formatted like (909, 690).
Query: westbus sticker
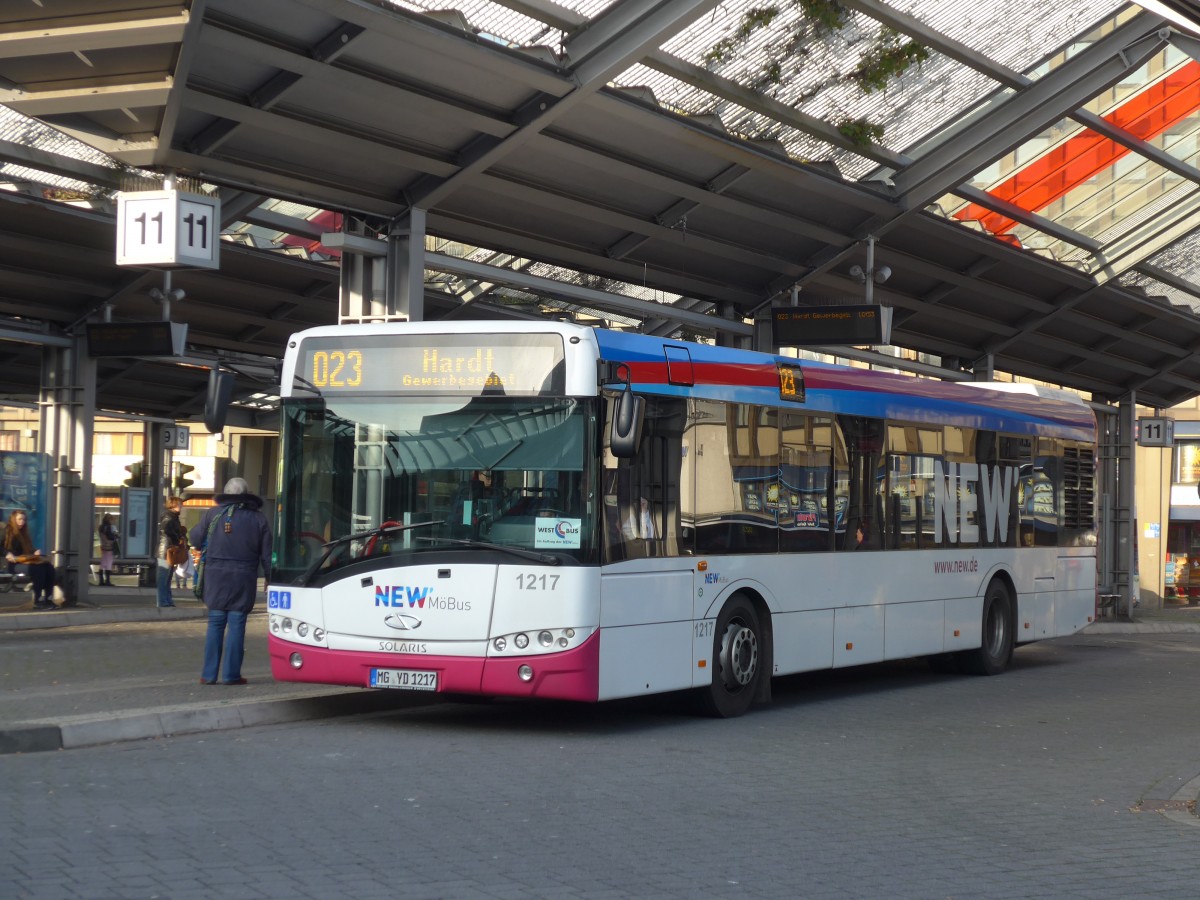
(549, 533)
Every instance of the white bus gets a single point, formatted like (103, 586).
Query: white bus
(545, 510)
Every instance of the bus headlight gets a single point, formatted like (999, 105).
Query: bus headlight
(296, 630)
(525, 673)
(296, 660)
(548, 641)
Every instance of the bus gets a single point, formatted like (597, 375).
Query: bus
(547, 510)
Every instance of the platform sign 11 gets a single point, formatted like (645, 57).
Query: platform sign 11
(168, 229)
(1155, 431)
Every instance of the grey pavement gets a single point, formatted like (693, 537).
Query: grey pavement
(117, 668)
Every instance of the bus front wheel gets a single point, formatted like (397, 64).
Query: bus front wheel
(996, 651)
(737, 659)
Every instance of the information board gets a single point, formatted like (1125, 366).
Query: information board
(796, 326)
(137, 530)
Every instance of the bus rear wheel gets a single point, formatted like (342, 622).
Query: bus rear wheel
(737, 659)
(996, 650)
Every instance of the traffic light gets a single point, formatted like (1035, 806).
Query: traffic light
(181, 481)
(137, 474)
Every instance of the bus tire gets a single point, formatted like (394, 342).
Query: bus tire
(737, 659)
(996, 650)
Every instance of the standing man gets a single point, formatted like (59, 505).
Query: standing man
(235, 538)
(171, 533)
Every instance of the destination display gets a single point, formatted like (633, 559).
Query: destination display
(791, 383)
(501, 364)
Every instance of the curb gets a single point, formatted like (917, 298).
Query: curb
(61, 618)
(1159, 627)
(69, 735)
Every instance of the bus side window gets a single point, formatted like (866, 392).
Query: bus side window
(642, 495)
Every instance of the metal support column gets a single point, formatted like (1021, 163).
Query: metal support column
(359, 300)
(1115, 467)
(405, 276)
(67, 409)
(729, 311)
(984, 368)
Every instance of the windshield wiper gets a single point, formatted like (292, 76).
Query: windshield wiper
(515, 551)
(366, 535)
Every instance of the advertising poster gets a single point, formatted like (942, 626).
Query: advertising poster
(23, 486)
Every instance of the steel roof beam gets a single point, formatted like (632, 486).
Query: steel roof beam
(588, 209)
(727, 89)
(40, 103)
(42, 40)
(1169, 278)
(1027, 218)
(719, 194)
(1030, 111)
(58, 164)
(720, 87)
(638, 26)
(1143, 242)
(484, 234)
(266, 218)
(965, 55)
(578, 294)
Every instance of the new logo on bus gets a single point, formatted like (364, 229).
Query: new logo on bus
(958, 495)
(397, 595)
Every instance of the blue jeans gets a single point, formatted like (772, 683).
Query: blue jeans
(234, 644)
(164, 587)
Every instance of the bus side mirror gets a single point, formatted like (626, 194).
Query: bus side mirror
(625, 437)
(216, 399)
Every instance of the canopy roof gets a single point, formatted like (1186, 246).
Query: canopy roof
(1028, 173)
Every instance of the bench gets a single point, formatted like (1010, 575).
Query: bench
(1106, 605)
(11, 580)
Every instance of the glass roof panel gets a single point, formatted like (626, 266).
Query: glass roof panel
(1006, 32)
(1091, 185)
(1181, 259)
(507, 25)
(818, 73)
(25, 132)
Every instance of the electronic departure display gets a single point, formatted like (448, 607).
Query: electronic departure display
(500, 364)
(800, 326)
(791, 383)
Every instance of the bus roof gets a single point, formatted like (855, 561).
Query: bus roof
(661, 366)
(667, 367)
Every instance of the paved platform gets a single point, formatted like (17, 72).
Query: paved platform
(116, 667)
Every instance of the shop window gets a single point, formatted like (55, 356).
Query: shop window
(1187, 462)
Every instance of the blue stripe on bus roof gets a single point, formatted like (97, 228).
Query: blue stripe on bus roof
(744, 376)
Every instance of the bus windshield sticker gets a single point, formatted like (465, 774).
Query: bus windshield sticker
(563, 533)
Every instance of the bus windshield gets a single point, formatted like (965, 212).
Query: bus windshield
(368, 479)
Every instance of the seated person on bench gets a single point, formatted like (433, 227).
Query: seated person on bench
(24, 558)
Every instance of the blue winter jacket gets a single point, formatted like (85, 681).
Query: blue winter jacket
(232, 558)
